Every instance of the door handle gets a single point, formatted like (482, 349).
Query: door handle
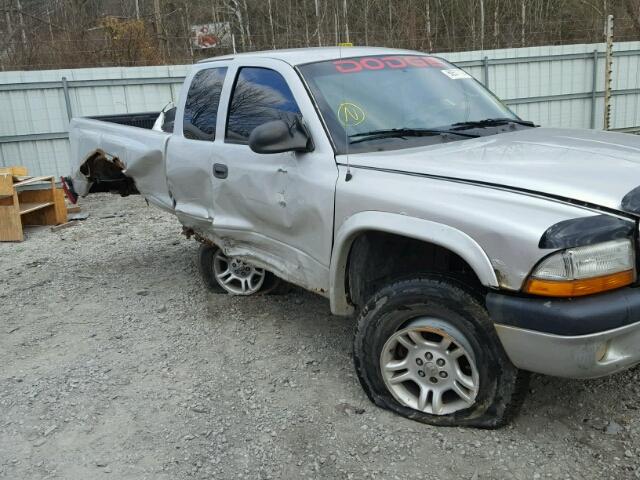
(220, 170)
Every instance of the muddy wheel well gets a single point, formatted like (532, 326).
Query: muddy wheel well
(106, 175)
(377, 258)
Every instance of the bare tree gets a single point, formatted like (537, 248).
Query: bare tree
(632, 8)
(523, 22)
(428, 15)
(481, 24)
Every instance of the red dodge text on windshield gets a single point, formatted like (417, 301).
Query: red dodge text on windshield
(353, 65)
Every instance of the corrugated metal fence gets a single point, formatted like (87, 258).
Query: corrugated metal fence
(558, 86)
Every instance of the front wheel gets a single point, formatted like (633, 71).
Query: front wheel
(426, 348)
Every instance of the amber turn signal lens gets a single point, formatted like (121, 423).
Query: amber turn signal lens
(578, 288)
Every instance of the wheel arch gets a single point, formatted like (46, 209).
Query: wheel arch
(435, 233)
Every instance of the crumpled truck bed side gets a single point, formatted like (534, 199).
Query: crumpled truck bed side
(111, 157)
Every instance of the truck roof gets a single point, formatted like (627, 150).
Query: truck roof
(298, 56)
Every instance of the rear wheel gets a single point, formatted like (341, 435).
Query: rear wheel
(235, 276)
(223, 274)
(426, 348)
(205, 266)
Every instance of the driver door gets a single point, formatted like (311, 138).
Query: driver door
(275, 210)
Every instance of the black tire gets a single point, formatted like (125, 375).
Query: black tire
(502, 386)
(205, 266)
(272, 284)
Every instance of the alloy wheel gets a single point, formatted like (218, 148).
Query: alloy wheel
(429, 366)
(236, 276)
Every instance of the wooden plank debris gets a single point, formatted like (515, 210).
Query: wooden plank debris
(72, 223)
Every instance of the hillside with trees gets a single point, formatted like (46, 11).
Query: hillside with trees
(49, 34)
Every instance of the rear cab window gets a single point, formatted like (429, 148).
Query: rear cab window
(260, 95)
(201, 106)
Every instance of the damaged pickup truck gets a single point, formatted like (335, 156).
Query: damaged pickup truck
(472, 246)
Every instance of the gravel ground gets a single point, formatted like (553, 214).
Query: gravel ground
(115, 362)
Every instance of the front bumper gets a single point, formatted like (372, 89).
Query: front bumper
(576, 338)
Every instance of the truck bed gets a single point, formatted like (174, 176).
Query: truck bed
(140, 120)
(108, 152)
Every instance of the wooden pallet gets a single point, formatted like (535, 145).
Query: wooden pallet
(29, 201)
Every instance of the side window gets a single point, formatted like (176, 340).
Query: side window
(259, 96)
(201, 107)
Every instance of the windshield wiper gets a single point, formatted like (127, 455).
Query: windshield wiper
(404, 132)
(490, 122)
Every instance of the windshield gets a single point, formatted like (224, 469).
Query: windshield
(397, 92)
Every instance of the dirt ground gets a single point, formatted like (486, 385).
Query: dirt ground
(115, 362)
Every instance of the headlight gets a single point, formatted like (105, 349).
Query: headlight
(584, 270)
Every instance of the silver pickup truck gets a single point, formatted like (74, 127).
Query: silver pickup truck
(472, 246)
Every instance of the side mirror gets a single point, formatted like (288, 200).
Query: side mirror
(278, 136)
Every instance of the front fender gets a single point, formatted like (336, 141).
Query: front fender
(416, 228)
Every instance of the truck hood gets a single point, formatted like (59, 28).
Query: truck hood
(595, 167)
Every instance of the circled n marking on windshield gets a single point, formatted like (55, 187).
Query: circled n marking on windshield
(350, 114)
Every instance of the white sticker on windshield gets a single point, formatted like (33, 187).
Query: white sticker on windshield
(456, 73)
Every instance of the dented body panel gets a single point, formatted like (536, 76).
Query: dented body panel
(274, 211)
(275, 208)
(140, 155)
